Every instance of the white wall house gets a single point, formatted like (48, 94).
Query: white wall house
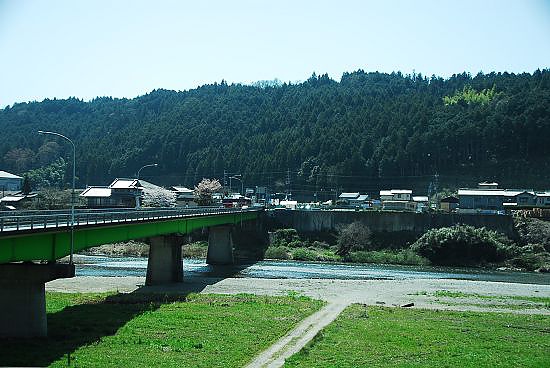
(10, 182)
(396, 195)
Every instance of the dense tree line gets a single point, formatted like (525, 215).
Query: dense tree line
(366, 131)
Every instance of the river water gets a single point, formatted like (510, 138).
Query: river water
(135, 266)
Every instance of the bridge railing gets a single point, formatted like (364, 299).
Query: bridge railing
(54, 219)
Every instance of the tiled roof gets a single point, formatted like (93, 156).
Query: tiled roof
(349, 195)
(96, 192)
(125, 184)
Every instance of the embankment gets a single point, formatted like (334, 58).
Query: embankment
(386, 221)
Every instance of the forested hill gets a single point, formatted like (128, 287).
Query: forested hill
(367, 130)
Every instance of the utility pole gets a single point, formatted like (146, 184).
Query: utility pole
(288, 190)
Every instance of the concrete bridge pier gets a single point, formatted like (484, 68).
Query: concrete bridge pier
(220, 246)
(23, 299)
(165, 264)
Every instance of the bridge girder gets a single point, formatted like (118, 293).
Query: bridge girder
(54, 244)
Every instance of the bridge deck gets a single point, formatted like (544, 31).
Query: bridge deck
(46, 237)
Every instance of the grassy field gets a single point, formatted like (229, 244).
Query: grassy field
(393, 337)
(139, 330)
(503, 302)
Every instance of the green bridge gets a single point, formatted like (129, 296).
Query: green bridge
(32, 242)
(47, 237)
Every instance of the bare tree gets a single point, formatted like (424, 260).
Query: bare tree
(355, 236)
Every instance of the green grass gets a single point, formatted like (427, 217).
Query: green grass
(504, 306)
(460, 294)
(317, 254)
(140, 330)
(402, 257)
(393, 337)
(513, 302)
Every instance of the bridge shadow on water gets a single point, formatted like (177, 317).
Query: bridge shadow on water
(79, 325)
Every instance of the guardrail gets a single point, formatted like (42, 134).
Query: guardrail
(20, 221)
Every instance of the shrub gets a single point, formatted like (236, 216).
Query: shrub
(355, 236)
(303, 254)
(198, 249)
(404, 257)
(462, 245)
(321, 244)
(280, 252)
(533, 231)
(284, 237)
(328, 256)
(530, 261)
(297, 244)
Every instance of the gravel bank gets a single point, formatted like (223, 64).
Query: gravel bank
(371, 292)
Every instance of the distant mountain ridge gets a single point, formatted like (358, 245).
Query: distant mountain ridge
(368, 130)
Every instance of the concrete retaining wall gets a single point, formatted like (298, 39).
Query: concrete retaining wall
(381, 221)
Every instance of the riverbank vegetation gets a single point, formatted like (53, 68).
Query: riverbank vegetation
(354, 244)
(459, 245)
(196, 249)
(148, 330)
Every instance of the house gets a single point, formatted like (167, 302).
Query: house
(495, 200)
(422, 203)
(397, 200)
(519, 199)
(354, 199)
(396, 195)
(448, 204)
(543, 199)
(236, 200)
(487, 185)
(121, 193)
(476, 200)
(10, 182)
(184, 196)
(399, 206)
(16, 201)
(346, 197)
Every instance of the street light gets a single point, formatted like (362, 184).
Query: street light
(239, 178)
(144, 166)
(72, 194)
(137, 177)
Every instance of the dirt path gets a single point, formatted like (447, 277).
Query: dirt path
(296, 339)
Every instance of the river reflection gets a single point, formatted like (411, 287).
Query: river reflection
(134, 266)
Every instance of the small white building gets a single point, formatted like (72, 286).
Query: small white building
(543, 199)
(422, 203)
(396, 195)
(10, 182)
(184, 196)
(121, 193)
(397, 200)
(348, 196)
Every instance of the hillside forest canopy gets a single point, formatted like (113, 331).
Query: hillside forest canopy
(366, 132)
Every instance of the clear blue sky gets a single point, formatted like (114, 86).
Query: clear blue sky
(126, 48)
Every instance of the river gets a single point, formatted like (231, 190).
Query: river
(135, 266)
